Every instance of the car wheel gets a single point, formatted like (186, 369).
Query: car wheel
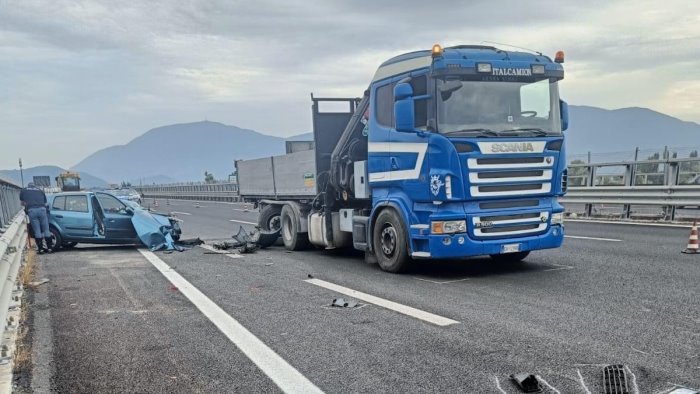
(390, 242)
(509, 257)
(293, 239)
(57, 239)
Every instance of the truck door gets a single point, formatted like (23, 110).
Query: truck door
(117, 220)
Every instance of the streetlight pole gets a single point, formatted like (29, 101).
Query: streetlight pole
(21, 173)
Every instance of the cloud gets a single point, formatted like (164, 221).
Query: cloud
(88, 74)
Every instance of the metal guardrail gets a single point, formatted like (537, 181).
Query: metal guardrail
(9, 202)
(225, 191)
(12, 244)
(13, 239)
(668, 184)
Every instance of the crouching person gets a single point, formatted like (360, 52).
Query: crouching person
(34, 201)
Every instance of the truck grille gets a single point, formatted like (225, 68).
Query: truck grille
(495, 226)
(510, 176)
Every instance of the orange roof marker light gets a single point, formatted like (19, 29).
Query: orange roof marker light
(437, 50)
(559, 57)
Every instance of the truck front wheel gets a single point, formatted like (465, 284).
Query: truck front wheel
(293, 239)
(390, 242)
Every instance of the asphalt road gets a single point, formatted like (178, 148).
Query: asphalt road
(122, 320)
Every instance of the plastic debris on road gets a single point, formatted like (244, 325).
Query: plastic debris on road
(341, 303)
(526, 382)
(154, 230)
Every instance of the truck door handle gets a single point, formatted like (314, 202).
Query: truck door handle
(58, 216)
(111, 220)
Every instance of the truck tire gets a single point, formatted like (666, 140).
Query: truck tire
(270, 218)
(293, 239)
(510, 257)
(390, 241)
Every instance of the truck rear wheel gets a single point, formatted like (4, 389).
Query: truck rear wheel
(510, 257)
(269, 218)
(390, 241)
(293, 239)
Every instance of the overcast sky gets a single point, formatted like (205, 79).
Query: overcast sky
(79, 76)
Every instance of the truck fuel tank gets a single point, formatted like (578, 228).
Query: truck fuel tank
(317, 231)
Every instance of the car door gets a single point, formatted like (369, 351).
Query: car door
(76, 217)
(117, 218)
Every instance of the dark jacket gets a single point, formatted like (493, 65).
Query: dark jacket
(32, 198)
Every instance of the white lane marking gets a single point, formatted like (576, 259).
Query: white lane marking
(396, 307)
(232, 255)
(583, 384)
(593, 238)
(635, 389)
(242, 221)
(629, 223)
(547, 384)
(441, 282)
(285, 376)
(182, 213)
(498, 385)
(560, 267)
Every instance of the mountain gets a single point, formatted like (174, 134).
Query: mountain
(86, 180)
(181, 152)
(598, 130)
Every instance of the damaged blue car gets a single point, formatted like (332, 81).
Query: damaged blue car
(101, 218)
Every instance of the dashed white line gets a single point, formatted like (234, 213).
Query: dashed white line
(583, 384)
(242, 221)
(441, 282)
(560, 267)
(229, 254)
(285, 376)
(182, 213)
(635, 389)
(593, 238)
(498, 385)
(394, 306)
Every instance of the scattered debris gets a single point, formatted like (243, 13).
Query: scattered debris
(39, 283)
(247, 243)
(615, 379)
(527, 382)
(190, 242)
(269, 264)
(341, 303)
(309, 276)
(173, 288)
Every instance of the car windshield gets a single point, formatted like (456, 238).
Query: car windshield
(495, 107)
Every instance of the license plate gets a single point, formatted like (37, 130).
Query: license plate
(510, 248)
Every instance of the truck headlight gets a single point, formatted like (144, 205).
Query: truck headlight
(558, 218)
(449, 227)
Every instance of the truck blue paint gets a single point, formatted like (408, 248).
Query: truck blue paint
(462, 153)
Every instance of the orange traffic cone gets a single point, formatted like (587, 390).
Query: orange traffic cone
(693, 243)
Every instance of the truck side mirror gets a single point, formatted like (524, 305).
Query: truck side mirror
(564, 110)
(404, 108)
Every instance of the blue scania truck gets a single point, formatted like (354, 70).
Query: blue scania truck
(451, 152)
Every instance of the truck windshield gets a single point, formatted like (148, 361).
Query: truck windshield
(497, 108)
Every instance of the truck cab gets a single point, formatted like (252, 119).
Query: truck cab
(465, 144)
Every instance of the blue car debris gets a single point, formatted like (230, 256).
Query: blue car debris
(101, 218)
